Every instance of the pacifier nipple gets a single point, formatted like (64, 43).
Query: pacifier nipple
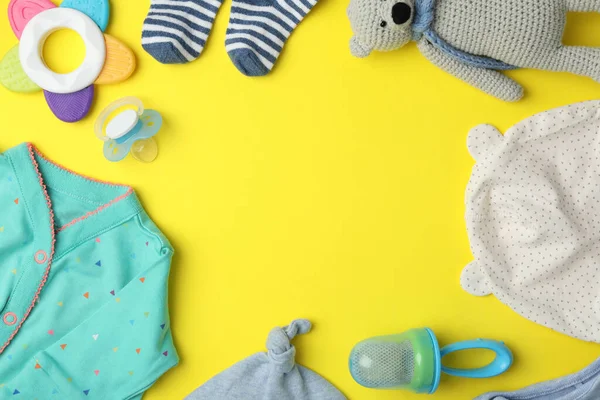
(145, 150)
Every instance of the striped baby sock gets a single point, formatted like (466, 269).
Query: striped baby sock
(175, 31)
(258, 30)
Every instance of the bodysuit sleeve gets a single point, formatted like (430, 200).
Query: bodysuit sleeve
(126, 345)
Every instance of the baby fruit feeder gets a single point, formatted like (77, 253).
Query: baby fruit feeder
(69, 96)
(413, 361)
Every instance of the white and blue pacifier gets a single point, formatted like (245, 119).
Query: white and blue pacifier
(125, 127)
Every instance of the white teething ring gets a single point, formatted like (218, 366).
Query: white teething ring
(32, 43)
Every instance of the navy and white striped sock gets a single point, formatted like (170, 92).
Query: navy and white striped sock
(175, 31)
(258, 30)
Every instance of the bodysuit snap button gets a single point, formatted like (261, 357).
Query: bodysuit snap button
(41, 257)
(10, 318)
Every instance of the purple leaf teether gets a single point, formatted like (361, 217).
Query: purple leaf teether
(71, 107)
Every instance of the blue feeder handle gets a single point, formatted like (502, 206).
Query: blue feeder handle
(501, 363)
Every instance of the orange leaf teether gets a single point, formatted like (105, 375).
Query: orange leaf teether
(120, 62)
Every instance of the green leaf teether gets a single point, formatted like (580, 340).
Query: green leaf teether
(12, 75)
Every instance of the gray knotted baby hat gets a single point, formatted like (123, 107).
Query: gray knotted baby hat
(270, 376)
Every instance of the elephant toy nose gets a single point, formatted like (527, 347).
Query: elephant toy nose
(401, 13)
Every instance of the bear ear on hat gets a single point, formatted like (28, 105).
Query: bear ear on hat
(474, 281)
(483, 139)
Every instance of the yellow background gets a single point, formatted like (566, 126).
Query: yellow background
(331, 189)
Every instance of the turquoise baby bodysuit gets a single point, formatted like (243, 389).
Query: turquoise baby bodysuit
(83, 286)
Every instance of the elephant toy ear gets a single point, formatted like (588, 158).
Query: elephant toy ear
(357, 49)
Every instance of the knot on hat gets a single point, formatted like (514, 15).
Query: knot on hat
(282, 354)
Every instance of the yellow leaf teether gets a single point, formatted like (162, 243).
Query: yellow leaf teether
(120, 62)
(12, 75)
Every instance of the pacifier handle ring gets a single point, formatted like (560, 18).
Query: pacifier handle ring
(502, 362)
(126, 101)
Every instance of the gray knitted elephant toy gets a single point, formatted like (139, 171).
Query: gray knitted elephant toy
(476, 39)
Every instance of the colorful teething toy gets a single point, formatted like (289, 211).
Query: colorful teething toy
(69, 96)
(125, 127)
